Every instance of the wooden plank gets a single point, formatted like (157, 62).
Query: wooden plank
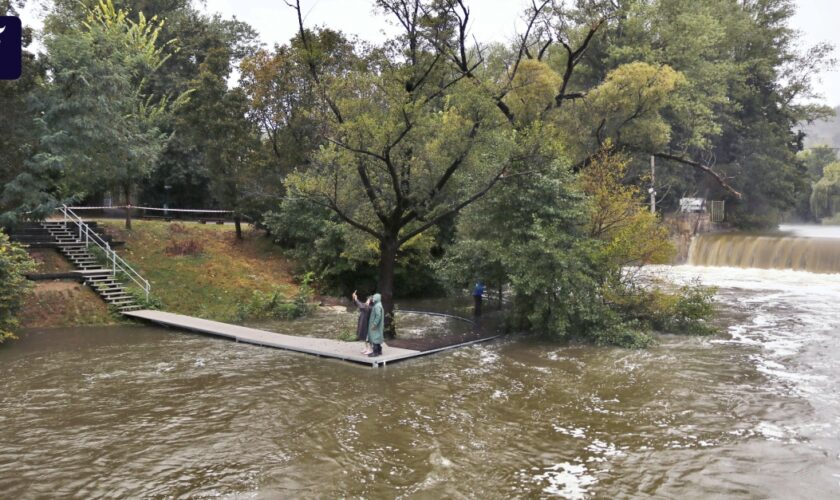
(347, 351)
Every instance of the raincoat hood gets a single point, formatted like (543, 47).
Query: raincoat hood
(377, 298)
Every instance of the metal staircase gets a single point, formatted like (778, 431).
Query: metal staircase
(76, 240)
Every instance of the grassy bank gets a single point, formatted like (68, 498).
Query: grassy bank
(202, 270)
(54, 304)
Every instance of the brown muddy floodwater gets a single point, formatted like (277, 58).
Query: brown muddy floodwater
(144, 412)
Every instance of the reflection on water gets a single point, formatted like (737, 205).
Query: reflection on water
(137, 411)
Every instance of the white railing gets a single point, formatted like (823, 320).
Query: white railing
(88, 236)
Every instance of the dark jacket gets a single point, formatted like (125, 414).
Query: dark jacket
(364, 316)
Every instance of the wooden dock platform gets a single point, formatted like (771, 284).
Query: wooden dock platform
(347, 351)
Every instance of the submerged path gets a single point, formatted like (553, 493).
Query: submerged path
(329, 348)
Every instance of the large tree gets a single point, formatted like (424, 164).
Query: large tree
(730, 123)
(100, 123)
(410, 139)
(18, 137)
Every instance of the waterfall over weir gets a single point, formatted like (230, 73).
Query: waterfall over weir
(783, 251)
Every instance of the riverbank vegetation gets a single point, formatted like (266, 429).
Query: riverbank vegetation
(227, 275)
(15, 262)
(419, 165)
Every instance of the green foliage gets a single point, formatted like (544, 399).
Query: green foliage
(150, 301)
(816, 159)
(18, 138)
(619, 216)
(734, 111)
(347, 335)
(627, 108)
(341, 259)
(825, 198)
(274, 304)
(14, 264)
(108, 134)
(687, 310)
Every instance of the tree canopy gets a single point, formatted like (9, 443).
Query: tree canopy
(431, 158)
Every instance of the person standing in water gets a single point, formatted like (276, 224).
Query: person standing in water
(478, 295)
(364, 317)
(376, 326)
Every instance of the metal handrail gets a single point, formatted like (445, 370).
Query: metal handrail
(87, 235)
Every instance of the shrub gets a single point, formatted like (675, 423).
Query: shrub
(14, 264)
(139, 296)
(178, 228)
(184, 247)
(687, 310)
(275, 305)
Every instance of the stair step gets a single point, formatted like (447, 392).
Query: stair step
(108, 287)
(115, 298)
(121, 303)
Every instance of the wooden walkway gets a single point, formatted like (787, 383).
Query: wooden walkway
(328, 348)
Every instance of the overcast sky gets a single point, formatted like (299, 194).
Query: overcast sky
(495, 20)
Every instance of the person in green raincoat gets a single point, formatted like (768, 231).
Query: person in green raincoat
(376, 326)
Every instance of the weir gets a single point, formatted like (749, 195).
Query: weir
(816, 255)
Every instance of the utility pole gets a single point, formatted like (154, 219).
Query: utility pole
(652, 189)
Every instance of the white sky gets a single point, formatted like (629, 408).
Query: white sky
(494, 20)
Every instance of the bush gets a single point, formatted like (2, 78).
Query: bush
(139, 296)
(686, 311)
(14, 264)
(178, 228)
(184, 247)
(275, 305)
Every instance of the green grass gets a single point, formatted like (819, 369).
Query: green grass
(212, 283)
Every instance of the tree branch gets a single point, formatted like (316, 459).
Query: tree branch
(453, 209)
(704, 168)
(310, 61)
(331, 205)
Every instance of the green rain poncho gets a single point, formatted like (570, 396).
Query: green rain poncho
(376, 324)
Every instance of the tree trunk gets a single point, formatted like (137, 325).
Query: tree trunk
(127, 191)
(387, 263)
(237, 222)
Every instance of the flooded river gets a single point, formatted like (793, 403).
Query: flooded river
(146, 412)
